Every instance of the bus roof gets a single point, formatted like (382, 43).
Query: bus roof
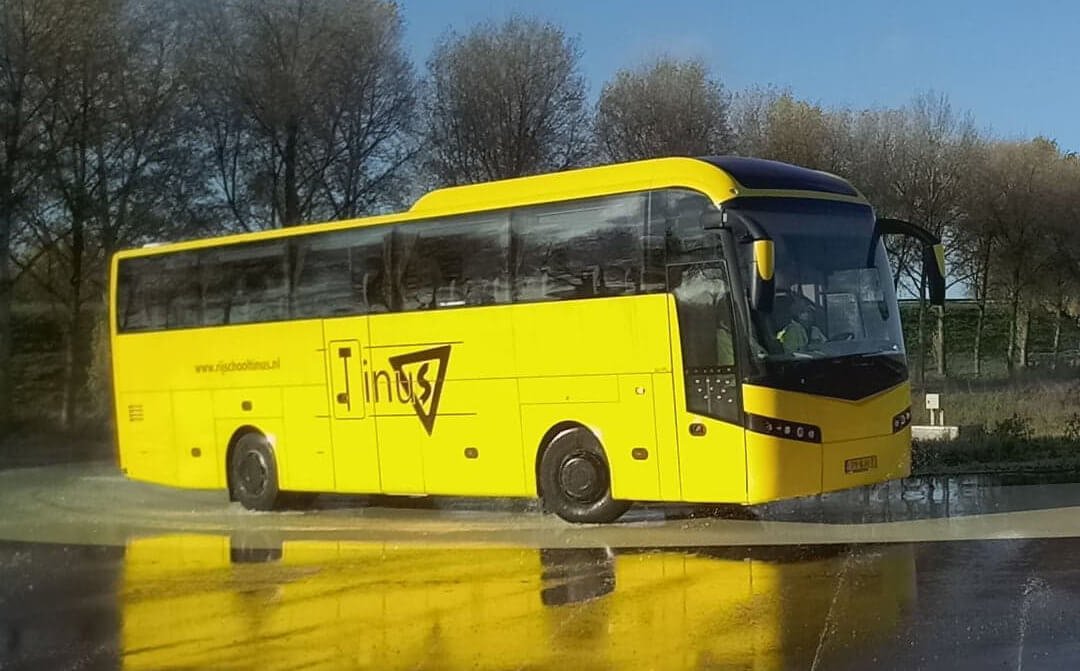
(736, 176)
(756, 173)
(718, 177)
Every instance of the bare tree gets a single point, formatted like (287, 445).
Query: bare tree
(32, 34)
(1016, 204)
(110, 146)
(504, 101)
(933, 161)
(366, 128)
(975, 243)
(1064, 235)
(666, 108)
(773, 124)
(749, 118)
(307, 106)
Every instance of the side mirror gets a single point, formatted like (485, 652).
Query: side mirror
(933, 254)
(762, 288)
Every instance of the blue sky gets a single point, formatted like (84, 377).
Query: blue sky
(1014, 65)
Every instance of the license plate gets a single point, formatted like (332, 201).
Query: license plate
(860, 464)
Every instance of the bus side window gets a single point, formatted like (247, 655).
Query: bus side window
(179, 289)
(160, 292)
(453, 263)
(137, 289)
(262, 285)
(335, 274)
(319, 277)
(582, 249)
(675, 217)
(216, 289)
(244, 283)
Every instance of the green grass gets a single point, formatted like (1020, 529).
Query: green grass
(1043, 407)
(1028, 424)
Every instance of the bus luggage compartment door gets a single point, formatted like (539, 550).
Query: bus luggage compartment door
(356, 456)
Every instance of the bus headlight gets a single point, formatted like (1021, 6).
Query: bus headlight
(782, 428)
(901, 420)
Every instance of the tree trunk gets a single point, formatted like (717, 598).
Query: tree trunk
(939, 340)
(1014, 326)
(1025, 329)
(292, 194)
(980, 319)
(976, 349)
(74, 362)
(920, 337)
(6, 280)
(1057, 341)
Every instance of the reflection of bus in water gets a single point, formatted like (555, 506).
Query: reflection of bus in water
(191, 602)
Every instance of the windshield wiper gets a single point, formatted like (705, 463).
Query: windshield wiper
(864, 355)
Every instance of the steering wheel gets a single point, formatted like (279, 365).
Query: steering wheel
(846, 335)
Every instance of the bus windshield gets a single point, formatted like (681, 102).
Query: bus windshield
(834, 290)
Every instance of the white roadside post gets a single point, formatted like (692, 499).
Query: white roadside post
(937, 430)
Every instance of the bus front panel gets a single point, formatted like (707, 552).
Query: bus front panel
(799, 444)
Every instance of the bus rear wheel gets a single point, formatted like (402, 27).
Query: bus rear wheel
(575, 481)
(253, 476)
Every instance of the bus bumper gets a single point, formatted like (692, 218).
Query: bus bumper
(778, 468)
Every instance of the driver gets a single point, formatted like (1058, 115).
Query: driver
(800, 333)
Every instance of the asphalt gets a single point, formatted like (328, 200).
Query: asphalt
(97, 571)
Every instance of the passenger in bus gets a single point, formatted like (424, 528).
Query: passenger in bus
(800, 335)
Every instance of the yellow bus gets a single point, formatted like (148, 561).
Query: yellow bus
(719, 330)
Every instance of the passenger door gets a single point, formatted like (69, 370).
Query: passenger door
(352, 421)
(707, 338)
(712, 452)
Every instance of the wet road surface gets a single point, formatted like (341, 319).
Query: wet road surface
(959, 573)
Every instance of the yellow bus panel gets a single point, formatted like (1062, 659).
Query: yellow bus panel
(200, 458)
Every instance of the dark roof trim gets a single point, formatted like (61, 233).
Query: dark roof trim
(757, 173)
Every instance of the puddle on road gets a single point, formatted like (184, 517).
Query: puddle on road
(217, 601)
(209, 601)
(930, 497)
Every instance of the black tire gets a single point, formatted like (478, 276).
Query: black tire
(253, 473)
(575, 481)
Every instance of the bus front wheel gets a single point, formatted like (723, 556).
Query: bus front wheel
(575, 481)
(253, 473)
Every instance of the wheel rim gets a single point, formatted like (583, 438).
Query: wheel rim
(254, 474)
(583, 477)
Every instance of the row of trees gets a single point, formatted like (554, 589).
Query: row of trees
(123, 121)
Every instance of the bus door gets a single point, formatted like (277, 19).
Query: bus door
(352, 420)
(712, 453)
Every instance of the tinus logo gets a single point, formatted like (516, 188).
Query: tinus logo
(416, 380)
